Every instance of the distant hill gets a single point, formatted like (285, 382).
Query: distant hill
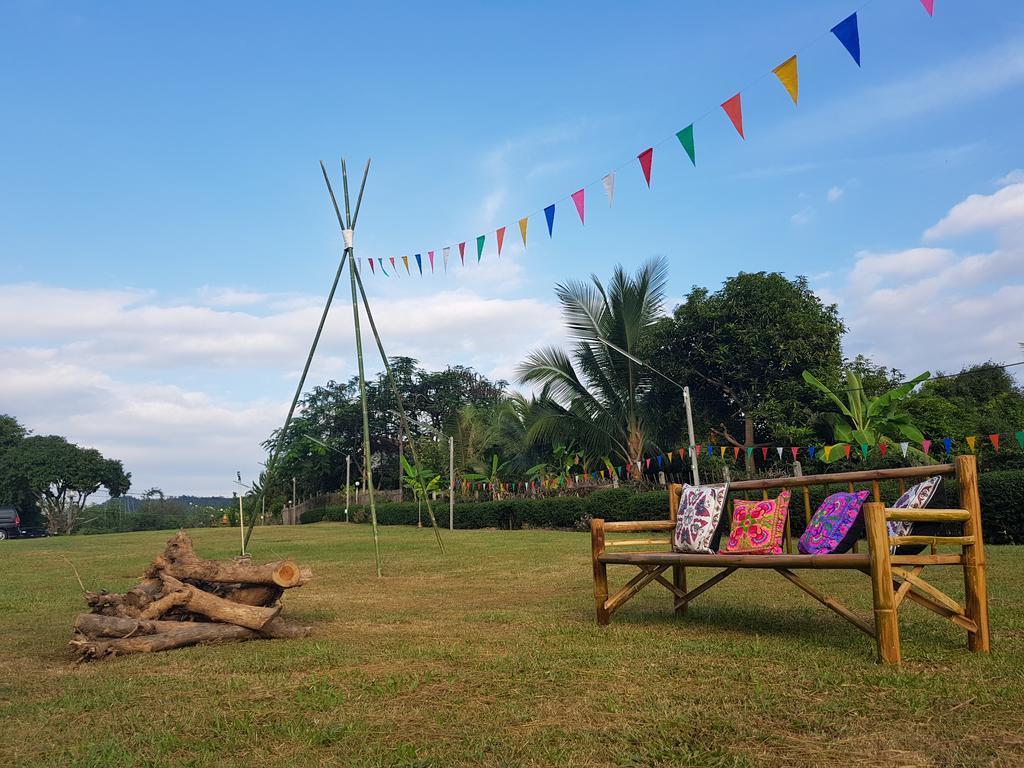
(218, 502)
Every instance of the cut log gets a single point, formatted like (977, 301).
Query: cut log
(251, 594)
(130, 604)
(184, 633)
(180, 561)
(194, 600)
(94, 626)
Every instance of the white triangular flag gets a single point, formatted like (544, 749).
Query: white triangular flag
(444, 252)
(609, 187)
(903, 449)
(778, 450)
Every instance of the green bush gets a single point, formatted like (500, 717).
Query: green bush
(651, 505)
(311, 516)
(611, 504)
(1002, 506)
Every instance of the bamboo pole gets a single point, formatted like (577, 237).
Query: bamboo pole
(398, 400)
(367, 453)
(887, 628)
(600, 570)
(272, 459)
(975, 583)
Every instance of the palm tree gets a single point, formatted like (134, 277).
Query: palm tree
(595, 397)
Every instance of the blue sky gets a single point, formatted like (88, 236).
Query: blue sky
(165, 237)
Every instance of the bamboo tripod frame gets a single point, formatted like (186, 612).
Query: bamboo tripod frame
(347, 223)
(894, 578)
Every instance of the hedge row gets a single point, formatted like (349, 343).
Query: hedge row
(1002, 502)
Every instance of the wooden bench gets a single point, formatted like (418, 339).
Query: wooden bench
(894, 578)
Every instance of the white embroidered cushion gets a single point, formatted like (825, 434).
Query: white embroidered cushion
(700, 510)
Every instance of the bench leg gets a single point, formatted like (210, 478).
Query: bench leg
(975, 584)
(887, 626)
(679, 582)
(601, 593)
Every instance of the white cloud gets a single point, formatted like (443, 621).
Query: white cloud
(939, 308)
(803, 216)
(1013, 177)
(185, 393)
(1004, 208)
(834, 194)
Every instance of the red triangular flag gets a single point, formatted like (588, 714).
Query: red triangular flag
(734, 109)
(793, 450)
(995, 442)
(462, 253)
(577, 197)
(929, 5)
(430, 255)
(682, 453)
(696, 450)
(372, 270)
(735, 453)
(846, 450)
(645, 158)
(764, 453)
(882, 447)
(501, 238)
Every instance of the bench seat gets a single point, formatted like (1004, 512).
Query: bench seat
(850, 561)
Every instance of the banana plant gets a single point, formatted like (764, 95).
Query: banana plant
(492, 474)
(864, 420)
(421, 482)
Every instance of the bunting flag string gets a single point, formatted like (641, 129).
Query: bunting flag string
(846, 32)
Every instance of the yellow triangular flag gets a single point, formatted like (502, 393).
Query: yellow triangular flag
(971, 440)
(786, 72)
(405, 260)
(522, 228)
(723, 451)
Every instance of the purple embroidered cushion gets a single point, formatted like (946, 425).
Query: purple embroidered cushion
(700, 509)
(835, 526)
(758, 526)
(915, 497)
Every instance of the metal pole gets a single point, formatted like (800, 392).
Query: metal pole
(689, 429)
(451, 483)
(348, 470)
(293, 490)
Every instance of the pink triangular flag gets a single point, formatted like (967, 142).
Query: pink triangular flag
(501, 238)
(734, 109)
(577, 197)
(372, 270)
(645, 158)
(462, 253)
(682, 453)
(995, 442)
(929, 5)
(430, 256)
(925, 445)
(393, 267)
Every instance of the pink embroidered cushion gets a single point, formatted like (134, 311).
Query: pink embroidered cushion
(758, 526)
(700, 510)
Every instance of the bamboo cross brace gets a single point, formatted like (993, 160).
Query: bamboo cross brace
(829, 602)
(647, 574)
(906, 585)
(704, 587)
(921, 586)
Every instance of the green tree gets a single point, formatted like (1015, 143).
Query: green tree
(595, 394)
(741, 350)
(62, 476)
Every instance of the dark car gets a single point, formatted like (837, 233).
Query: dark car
(10, 523)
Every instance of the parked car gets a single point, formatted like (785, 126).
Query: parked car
(10, 526)
(10, 523)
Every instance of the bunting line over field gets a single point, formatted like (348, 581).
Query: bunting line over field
(846, 32)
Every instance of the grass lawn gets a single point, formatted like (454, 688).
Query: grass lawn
(490, 656)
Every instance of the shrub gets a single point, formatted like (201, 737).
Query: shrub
(611, 504)
(1002, 506)
(651, 505)
(311, 516)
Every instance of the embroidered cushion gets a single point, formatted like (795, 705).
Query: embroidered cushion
(758, 526)
(919, 496)
(700, 509)
(835, 526)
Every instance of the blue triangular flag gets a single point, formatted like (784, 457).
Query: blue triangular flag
(659, 461)
(948, 443)
(810, 451)
(846, 32)
(710, 448)
(419, 262)
(549, 214)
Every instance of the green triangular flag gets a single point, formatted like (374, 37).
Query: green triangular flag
(480, 247)
(750, 451)
(1020, 440)
(864, 450)
(685, 137)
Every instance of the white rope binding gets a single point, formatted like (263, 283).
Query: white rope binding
(347, 234)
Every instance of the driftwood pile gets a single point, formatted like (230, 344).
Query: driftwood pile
(185, 600)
